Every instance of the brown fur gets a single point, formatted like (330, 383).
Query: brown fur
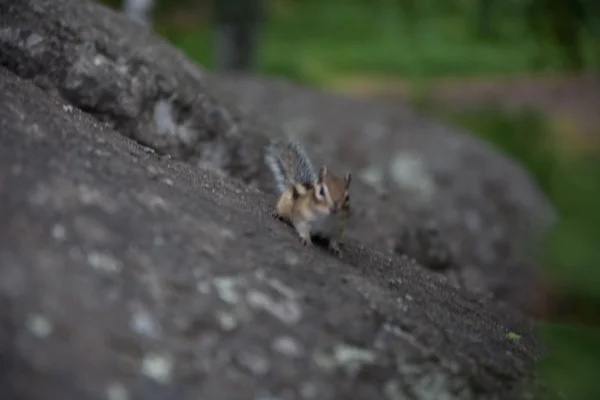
(302, 203)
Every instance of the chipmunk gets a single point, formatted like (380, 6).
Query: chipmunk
(316, 204)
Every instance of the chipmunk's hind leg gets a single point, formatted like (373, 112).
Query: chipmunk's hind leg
(276, 215)
(283, 208)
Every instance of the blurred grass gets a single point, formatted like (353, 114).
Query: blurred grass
(571, 367)
(313, 41)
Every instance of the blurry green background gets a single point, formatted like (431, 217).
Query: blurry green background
(522, 74)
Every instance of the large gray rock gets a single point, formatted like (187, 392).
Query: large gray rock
(439, 195)
(127, 275)
(125, 271)
(120, 73)
(420, 189)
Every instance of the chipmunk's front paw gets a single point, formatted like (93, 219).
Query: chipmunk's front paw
(334, 247)
(303, 231)
(305, 241)
(276, 216)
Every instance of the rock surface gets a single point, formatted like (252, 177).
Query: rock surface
(434, 194)
(129, 274)
(125, 273)
(438, 195)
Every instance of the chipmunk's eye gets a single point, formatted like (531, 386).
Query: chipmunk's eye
(322, 192)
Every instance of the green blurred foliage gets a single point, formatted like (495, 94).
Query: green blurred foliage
(572, 365)
(313, 40)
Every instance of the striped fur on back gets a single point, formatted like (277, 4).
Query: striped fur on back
(289, 164)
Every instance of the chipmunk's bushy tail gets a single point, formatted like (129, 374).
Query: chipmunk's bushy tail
(289, 164)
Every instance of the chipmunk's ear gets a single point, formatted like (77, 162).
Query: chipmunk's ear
(348, 179)
(322, 174)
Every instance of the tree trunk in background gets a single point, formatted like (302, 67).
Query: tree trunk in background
(138, 10)
(237, 24)
(561, 20)
(567, 22)
(484, 18)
